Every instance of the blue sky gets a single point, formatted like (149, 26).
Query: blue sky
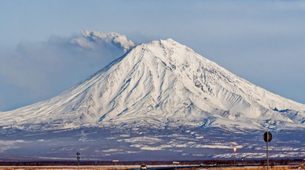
(261, 41)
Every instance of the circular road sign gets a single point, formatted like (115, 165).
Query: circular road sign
(267, 137)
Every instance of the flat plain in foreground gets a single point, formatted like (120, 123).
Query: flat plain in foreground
(136, 167)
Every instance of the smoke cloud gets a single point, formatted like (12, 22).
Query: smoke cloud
(38, 71)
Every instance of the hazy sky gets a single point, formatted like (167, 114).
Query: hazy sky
(261, 41)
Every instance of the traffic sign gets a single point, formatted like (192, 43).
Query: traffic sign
(267, 137)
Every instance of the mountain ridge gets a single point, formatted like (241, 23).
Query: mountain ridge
(161, 83)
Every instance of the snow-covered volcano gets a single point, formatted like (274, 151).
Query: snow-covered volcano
(161, 84)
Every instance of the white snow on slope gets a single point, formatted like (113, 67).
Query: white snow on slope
(161, 84)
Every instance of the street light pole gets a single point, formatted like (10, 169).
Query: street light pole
(77, 156)
(234, 149)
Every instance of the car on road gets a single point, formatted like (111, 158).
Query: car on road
(143, 167)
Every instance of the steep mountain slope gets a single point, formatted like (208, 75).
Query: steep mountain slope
(161, 84)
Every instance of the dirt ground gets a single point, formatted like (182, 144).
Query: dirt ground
(67, 167)
(136, 167)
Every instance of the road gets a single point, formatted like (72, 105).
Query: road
(213, 166)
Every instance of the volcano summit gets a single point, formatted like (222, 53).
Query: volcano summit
(162, 83)
(161, 87)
